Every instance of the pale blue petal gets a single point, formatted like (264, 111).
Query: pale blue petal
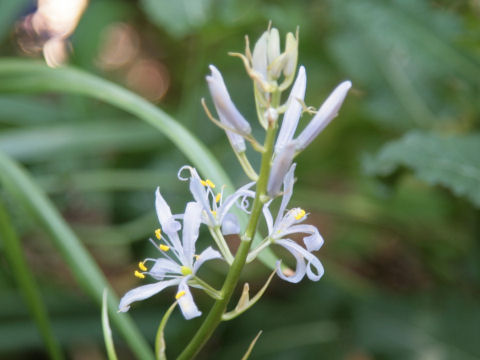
(143, 292)
(230, 225)
(288, 182)
(163, 267)
(312, 242)
(226, 110)
(325, 114)
(294, 111)
(191, 226)
(168, 223)
(206, 255)
(268, 217)
(314, 268)
(230, 200)
(281, 164)
(201, 196)
(300, 267)
(187, 305)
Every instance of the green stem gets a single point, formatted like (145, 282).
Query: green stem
(221, 243)
(210, 290)
(214, 317)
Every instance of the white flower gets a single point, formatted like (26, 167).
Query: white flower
(287, 223)
(227, 112)
(281, 163)
(178, 264)
(215, 207)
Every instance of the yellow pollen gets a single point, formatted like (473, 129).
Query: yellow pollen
(164, 247)
(142, 266)
(139, 274)
(158, 233)
(218, 197)
(208, 182)
(180, 294)
(196, 256)
(300, 214)
(214, 213)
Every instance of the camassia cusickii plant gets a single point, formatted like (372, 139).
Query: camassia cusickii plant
(175, 259)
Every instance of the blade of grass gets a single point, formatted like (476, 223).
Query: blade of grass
(89, 276)
(26, 282)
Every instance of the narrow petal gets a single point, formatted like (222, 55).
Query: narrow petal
(206, 255)
(288, 182)
(201, 196)
(312, 242)
(227, 111)
(300, 267)
(314, 268)
(187, 305)
(230, 224)
(273, 45)
(281, 164)
(168, 223)
(294, 111)
(268, 217)
(163, 267)
(325, 114)
(191, 226)
(230, 200)
(259, 56)
(143, 292)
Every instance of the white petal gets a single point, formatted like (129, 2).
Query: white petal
(273, 45)
(143, 292)
(230, 225)
(325, 114)
(281, 164)
(186, 303)
(294, 111)
(268, 217)
(230, 200)
(207, 254)
(191, 226)
(201, 196)
(312, 242)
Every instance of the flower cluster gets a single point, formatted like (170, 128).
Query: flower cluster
(272, 72)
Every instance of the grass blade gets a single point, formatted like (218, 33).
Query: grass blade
(26, 282)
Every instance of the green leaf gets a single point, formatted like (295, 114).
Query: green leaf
(26, 282)
(82, 265)
(107, 331)
(453, 161)
(160, 345)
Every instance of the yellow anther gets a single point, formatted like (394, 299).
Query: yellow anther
(139, 274)
(196, 256)
(185, 270)
(158, 233)
(300, 214)
(218, 197)
(180, 294)
(214, 213)
(164, 247)
(142, 266)
(208, 182)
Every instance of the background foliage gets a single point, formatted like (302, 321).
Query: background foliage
(393, 184)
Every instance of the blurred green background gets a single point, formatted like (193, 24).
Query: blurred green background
(393, 184)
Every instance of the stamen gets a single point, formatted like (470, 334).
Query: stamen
(214, 213)
(139, 275)
(300, 214)
(218, 197)
(158, 233)
(180, 294)
(208, 183)
(141, 266)
(164, 247)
